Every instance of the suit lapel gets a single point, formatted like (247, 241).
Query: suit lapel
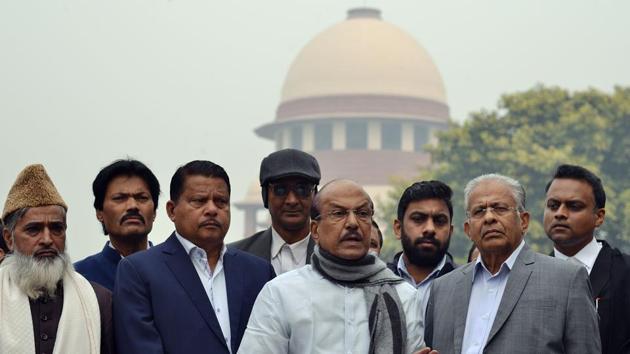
(516, 283)
(600, 274)
(184, 271)
(261, 247)
(234, 286)
(309, 249)
(461, 300)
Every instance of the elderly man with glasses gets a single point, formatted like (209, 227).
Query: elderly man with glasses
(346, 300)
(511, 299)
(289, 180)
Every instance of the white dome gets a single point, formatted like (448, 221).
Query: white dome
(363, 55)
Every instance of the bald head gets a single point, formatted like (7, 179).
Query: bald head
(334, 187)
(343, 219)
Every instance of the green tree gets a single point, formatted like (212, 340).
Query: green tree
(526, 137)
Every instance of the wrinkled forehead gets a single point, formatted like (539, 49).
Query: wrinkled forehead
(49, 213)
(491, 192)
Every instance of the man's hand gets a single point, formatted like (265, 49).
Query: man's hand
(427, 350)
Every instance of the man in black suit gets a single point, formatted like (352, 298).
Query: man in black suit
(289, 180)
(574, 208)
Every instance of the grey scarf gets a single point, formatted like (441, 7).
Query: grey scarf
(387, 325)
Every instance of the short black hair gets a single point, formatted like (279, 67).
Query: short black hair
(380, 234)
(124, 167)
(196, 168)
(425, 190)
(580, 173)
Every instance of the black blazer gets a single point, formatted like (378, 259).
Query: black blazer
(610, 283)
(259, 244)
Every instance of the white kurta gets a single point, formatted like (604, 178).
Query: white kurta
(301, 312)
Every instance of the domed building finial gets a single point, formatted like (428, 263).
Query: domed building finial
(364, 12)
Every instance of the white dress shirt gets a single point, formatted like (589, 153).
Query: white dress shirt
(301, 312)
(286, 257)
(485, 297)
(424, 286)
(213, 283)
(585, 257)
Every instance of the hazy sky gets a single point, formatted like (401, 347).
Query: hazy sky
(85, 82)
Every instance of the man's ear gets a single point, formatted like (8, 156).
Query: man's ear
(396, 227)
(524, 221)
(314, 230)
(600, 215)
(170, 210)
(466, 229)
(6, 234)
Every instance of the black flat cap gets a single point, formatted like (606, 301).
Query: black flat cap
(289, 163)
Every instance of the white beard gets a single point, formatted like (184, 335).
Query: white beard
(36, 277)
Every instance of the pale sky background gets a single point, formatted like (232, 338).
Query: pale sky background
(83, 83)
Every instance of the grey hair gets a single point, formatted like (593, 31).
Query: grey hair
(518, 192)
(11, 220)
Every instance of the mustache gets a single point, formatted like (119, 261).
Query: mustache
(46, 250)
(210, 222)
(135, 214)
(421, 240)
(351, 236)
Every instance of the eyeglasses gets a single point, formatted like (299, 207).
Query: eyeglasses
(498, 210)
(338, 215)
(301, 190)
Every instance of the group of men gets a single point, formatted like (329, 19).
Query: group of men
(312, 282)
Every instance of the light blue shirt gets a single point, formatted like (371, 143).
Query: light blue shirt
(423, 286)
(485, 298)
(213, 283)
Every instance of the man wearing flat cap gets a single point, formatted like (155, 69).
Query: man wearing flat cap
(45, 306)
(289, 180)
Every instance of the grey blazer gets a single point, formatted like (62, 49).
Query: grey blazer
(259, 244)
(546, 308)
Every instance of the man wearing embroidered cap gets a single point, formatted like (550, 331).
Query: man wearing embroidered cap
(289, 180)
(68, 314)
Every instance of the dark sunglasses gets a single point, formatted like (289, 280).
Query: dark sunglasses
(301, 190)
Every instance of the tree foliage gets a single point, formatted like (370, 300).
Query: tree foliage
(526, 137)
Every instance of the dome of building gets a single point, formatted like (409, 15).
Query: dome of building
(363, 65)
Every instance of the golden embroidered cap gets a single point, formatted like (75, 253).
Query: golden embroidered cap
(32, 188)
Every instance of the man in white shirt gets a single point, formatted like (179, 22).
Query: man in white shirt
(424, 227)
(574, 209)
(346, 301)
(189, 294)
(289, 180)
(511, 299)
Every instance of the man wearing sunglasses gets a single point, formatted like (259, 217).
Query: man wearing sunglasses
(289, 180)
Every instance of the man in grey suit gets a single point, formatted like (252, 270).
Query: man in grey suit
(289, 180)
(511, 299)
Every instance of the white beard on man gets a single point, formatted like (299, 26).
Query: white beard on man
(37, 276)
(24, 278)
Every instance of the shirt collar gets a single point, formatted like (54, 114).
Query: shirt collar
(297, 247)
(508, 264)
(109, 243)
(587, 255)
(402, 269)
(191, 248)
